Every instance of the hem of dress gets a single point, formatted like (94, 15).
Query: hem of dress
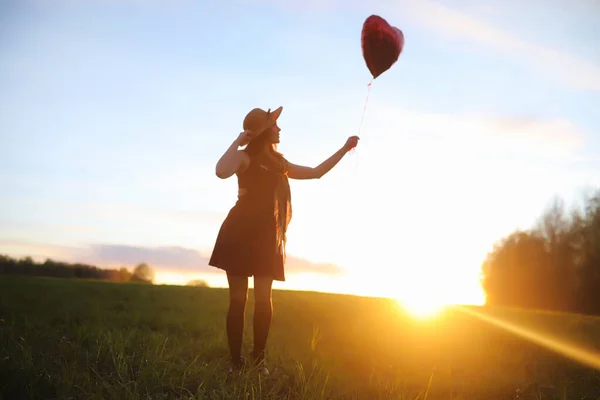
(278, 279)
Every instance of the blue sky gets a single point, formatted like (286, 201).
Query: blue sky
(113, 114)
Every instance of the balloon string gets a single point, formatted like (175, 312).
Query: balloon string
(362, 118)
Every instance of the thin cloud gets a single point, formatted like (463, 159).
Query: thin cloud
(167, 257)
(37, 250)
(184, 259)
(163, 258)
(307, 6)
(555, 139)
(570, 70)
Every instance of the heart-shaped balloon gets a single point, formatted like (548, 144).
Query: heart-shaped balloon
(381, 43)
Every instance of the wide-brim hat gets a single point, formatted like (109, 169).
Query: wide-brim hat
(259, 120)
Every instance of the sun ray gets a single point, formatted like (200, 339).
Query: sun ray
(588, 357)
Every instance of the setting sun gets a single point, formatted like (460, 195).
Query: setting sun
(422, 307)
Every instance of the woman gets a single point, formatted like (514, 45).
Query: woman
(252, 239)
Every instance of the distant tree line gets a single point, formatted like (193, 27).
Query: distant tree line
(198, 283)
(553, 266)
(142, 273)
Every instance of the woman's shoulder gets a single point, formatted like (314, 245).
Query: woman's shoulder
(285, 164)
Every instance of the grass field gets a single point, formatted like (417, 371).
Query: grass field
(95, 340)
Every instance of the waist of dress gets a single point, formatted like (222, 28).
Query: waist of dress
(255, 194)
(255, 199)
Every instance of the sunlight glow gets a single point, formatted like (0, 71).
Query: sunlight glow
(170, 278)
(588, 357)
(423, 307)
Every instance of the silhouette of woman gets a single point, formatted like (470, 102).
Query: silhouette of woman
(252, 238)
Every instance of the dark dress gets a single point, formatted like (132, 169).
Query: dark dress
(246, 244)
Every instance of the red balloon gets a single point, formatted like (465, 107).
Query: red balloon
(381, 43)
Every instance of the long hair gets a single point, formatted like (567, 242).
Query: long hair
(261, 150)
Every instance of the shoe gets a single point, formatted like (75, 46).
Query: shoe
(262, 370)
(237, 365)
(259, 363)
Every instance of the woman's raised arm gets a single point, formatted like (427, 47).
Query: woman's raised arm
(302, 172)
(233, 159)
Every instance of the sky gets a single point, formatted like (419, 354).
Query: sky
(113, 114)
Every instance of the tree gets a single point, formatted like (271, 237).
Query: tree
(514, 272)
(589, 258)
(59, 269)
(555, 265)
(124, 275)
(143, 273)
(198, 283)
